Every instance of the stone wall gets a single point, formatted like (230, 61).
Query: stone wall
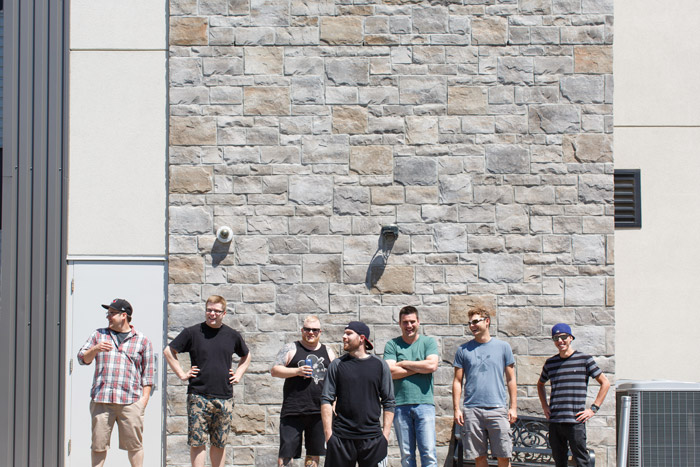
(482, 128)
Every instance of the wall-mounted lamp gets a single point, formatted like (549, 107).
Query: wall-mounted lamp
(390, 232)
(224, 234)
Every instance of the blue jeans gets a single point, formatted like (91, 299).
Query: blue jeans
(415, 425)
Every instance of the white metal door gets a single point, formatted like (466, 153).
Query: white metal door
(92, 283)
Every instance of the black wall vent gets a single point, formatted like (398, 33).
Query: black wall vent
(628, 198)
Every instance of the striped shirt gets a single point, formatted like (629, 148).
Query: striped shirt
(569, 378)
(121, 373)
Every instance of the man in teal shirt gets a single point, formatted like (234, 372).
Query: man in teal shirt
(413, 359)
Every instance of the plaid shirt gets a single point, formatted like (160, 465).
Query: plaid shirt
(121, 373)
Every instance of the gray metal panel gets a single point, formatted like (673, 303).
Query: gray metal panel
(33, 259)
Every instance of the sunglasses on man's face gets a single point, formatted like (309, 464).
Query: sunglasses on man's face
(560, 337)
(474, 322)
(311, 330)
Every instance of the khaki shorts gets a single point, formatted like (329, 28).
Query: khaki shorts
(129, 420)
(484, 427)
(208, 419)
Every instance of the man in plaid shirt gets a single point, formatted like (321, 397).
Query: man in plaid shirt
(122, 383)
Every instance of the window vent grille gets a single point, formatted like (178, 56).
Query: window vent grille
(628, 198)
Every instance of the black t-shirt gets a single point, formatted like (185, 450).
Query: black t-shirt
(362, 387)
(211, 350)
(302, 396)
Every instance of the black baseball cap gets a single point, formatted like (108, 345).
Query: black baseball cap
(363, 330)
(120, 304)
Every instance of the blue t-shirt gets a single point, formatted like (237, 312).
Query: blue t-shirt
(484, 365)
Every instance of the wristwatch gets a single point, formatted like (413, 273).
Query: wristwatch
(594, 408)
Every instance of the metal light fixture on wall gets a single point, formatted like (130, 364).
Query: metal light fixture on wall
(224, 234)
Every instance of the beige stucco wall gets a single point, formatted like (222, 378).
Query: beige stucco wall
(657, 130)
(118, 128)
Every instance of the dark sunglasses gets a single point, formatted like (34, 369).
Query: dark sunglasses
(560, 337)
(314, 330)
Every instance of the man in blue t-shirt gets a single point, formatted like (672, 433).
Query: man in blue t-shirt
(568, 372)
(484, 415)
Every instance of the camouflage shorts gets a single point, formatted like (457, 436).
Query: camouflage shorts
(208, 417)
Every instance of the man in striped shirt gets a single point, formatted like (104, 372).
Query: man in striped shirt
(569, 372)
(121, 385)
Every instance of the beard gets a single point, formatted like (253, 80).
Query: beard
(351, 346)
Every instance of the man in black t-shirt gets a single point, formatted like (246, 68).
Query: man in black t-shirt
(360, 384)
(301, 404)
(211, 346)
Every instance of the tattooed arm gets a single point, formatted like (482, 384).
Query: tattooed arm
(284, 356)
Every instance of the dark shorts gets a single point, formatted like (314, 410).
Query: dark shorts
(291, 429)
(208, 418)
(345, 452)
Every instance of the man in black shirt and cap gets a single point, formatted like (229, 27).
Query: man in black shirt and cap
(360, 384)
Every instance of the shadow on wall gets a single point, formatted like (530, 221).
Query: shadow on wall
(378, 263)
(219, 252)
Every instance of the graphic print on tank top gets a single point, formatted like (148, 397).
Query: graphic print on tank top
(318, 369)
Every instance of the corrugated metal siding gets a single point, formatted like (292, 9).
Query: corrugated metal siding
(33, 234)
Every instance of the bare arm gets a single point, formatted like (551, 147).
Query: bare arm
(587, 413)
(243, 365)
(331, 355)
(146, 395)
(388, 418)
(398, 372)
(512, 393)
(284, 356)
(171, 357)
(327, 419)
(90, 354)
(542, 393)
(427, 366)
(457, 396)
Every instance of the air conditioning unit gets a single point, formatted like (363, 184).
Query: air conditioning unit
(664, 423)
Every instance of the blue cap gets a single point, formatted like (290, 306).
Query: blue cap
(561, 328)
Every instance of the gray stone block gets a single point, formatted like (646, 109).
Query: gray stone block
(588, 249)
(422, 90)
(584, 291)
(500, 268)
(502, 158)
(516, 70)
(455, 189)
(583, 89)
(415, 171)
(190, 220)
(302, 298)
(512, 218)
(450, 238)
(430, 19)
(311, 189)
(554, 119)
(347, 71)
(351, 201)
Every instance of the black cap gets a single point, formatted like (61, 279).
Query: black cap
(120, 304)
(363, 330)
